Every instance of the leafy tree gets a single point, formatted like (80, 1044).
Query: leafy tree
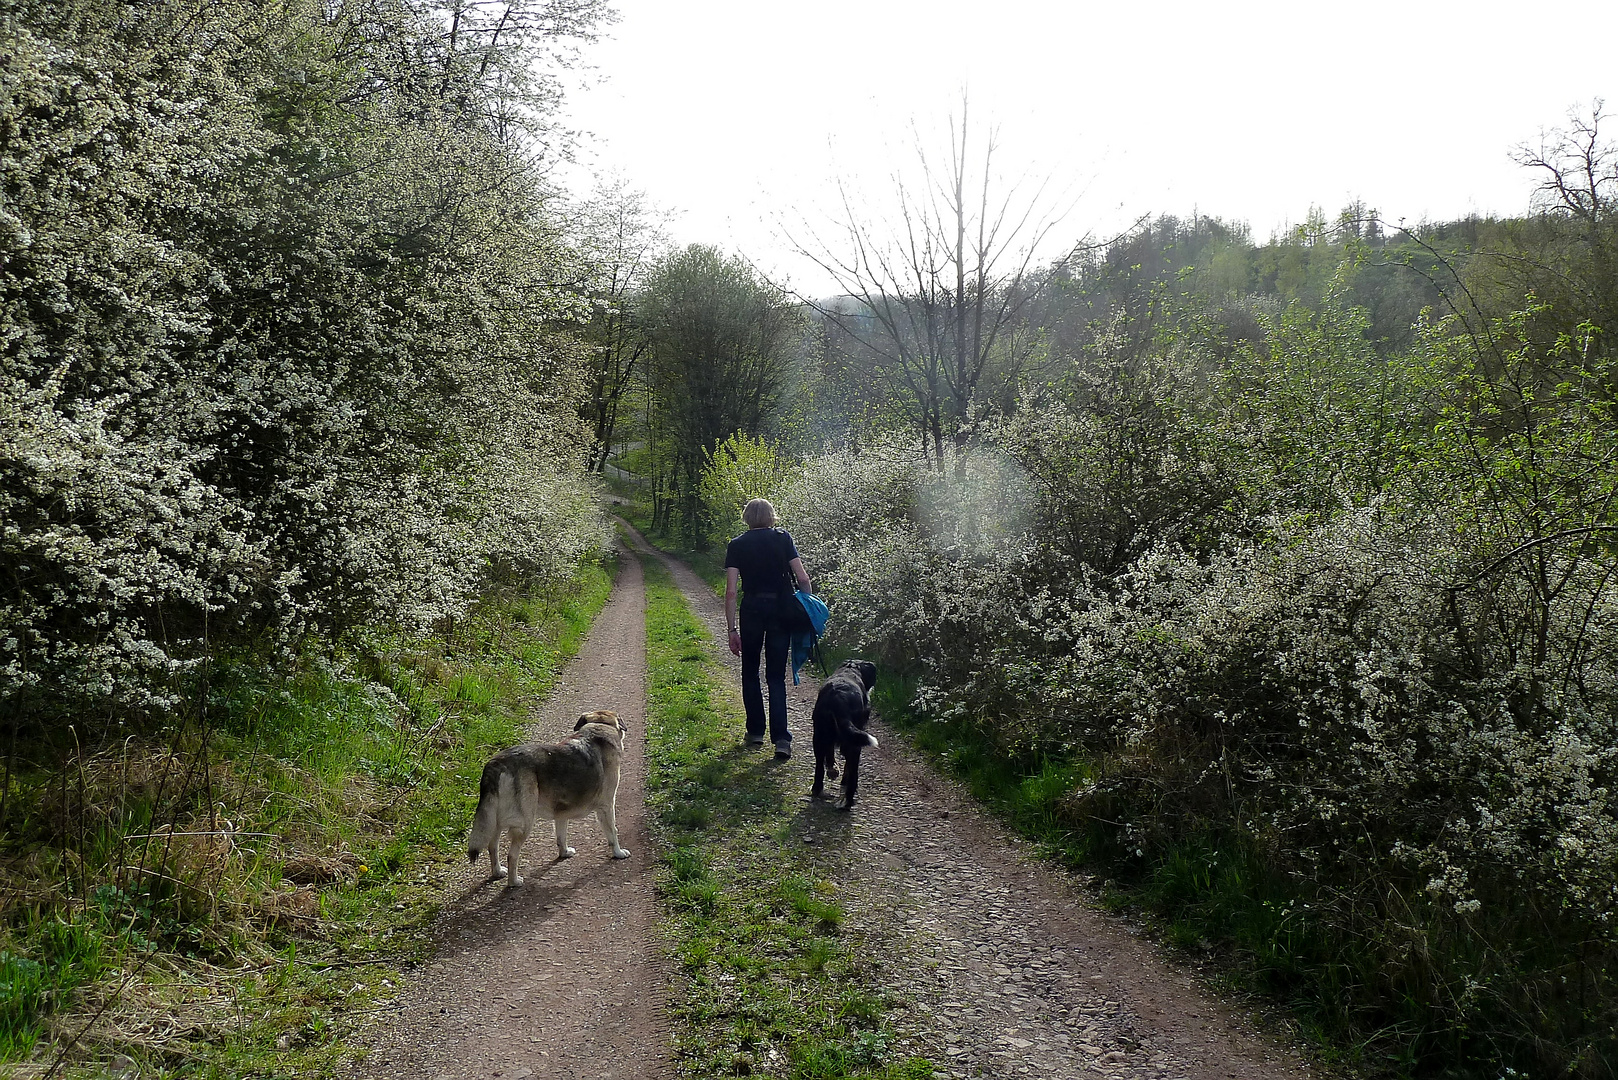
(621, 242)
(739, 469)
(1522, 443)
(723, 342)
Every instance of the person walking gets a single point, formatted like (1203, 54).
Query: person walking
(765, 562)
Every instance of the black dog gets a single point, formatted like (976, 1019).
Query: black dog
(841, 712)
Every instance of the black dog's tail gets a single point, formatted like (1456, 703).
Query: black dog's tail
(849, 730)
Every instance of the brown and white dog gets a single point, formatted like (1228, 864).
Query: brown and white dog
(562, 781)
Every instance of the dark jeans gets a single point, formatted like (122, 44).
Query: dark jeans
(762, 633)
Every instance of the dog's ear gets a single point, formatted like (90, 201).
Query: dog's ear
(867, 672)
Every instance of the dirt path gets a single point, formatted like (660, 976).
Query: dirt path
(562, 977)
(1010, 970)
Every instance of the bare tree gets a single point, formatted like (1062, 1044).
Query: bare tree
(1579, 171)
(940, 285)
(1576, 267)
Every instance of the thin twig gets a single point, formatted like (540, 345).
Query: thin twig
(210, 832)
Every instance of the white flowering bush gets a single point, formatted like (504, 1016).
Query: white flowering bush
(1315, 691)
(281, 349)
(1400, 697)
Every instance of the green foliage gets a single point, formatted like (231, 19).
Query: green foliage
(772, 981)
(737, 470)
(1528, 426)
(1327, 417)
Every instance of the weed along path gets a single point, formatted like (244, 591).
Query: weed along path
(562, 977)
(995, 963)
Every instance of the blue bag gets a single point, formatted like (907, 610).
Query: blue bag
(805, 642)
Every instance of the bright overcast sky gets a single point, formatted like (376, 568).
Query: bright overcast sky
(737, 114)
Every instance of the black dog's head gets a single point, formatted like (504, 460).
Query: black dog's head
(866, 671)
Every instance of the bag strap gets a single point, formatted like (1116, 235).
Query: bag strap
(786, 563)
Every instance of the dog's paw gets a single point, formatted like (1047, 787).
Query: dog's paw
(565, 853)
(514, 882)
(817, 792)
(831, 772)
(845, 804)
(620, 853)
(499, 872)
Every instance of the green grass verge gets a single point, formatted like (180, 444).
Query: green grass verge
(770, 977)
(347, 787)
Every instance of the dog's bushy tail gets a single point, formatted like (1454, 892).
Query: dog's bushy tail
(485, 823)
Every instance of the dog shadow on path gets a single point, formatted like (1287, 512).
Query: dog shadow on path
(487, 914)
(819, 824)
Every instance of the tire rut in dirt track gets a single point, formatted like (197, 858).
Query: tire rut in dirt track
(1011, 971)
(561, 977)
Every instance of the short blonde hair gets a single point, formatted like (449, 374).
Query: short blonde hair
(758, 514)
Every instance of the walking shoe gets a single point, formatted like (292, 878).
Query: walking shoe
(783, 751)
(753, 742)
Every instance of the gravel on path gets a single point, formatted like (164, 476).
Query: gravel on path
(1007, 969)
(562, 977)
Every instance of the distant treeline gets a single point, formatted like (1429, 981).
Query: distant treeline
(1171, 271)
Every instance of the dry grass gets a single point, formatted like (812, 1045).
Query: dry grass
(191, 910)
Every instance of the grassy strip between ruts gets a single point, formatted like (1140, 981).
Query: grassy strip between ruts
(234, 900)
(770, 979)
